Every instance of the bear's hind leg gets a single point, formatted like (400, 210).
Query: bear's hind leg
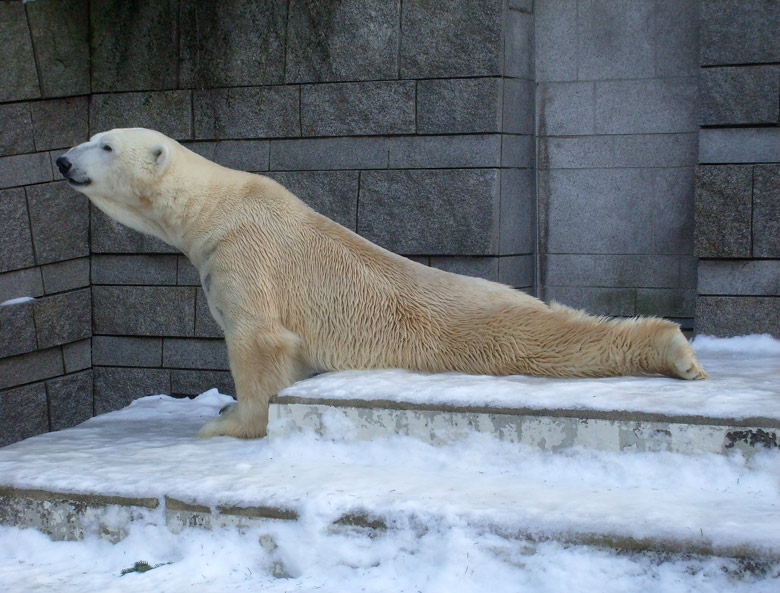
(263, 361)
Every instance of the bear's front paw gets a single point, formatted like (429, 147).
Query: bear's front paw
(233, 425)
(683, 361)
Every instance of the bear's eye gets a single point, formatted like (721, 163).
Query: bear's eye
(107, 148)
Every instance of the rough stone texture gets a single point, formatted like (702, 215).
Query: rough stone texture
(60, 34)
(16, 133)
(30, 367)
(666, 302)
(517, 271)
(723, 27)
(473, 106)
(195, 382)
(77, 355)
(66, 275)
(205, 325)
(673, 218)
(740, 95)
(616, 271)
(109, 236)
(134, 45)
(143, 310)
(23, 411)
(518, 45)
(766, 211)
(21, 283)
(70, 400)
(243, 155)
(25, 169)
(17, 329)
(332, 41)
(450, 38)
(332, 193)
(397, 206)
(565, 108)
(556, 40)
(739, 145)
(116, 388)
(195, 354)
(246, 43)
(677, 38)
(329, 154)
(251, 112)
(739, 277)
(124, 351)
(358, 108)
(517, 224)
(134, 269)
(442, 152)
(169, 112)
(595, 300)
(723, 211)
(15, 241)
(18, 76)
(63, 318)
(60, 123)
(60, 222)
(725, 316)
(654, 150)
(478, 267)
(616, 39)
(518, 150)
(187, 274)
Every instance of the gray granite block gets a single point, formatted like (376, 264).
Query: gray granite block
(21, 283)
(739, 145)
(143, 310)
(673, 223)
(134, 269)
(443, 152)
(60, 123)
(766, 211)
(134, 46)
(248, 112)
(332, 41)
(169, 112)
(397, 209)
(332, 193)
(186, 274)
(518, 44)
(723, 211)
(565, 108)
(740, 95)
(60, 34)
(25, 169)
(519, 108)
(576, 152)
(666, 302)
(556, 40)
(358, 108)
(517, 226)
(66, 275)
(126, 351)
(195, 382)
(518, 150)
(658, 105)
(70, 399)
(688, 271)
(109, 236)
(611, 271)
(205, 325)
(60, 222)
(16, 132)
(30, 367)
(677, 38)
(23, 411)
(726, 316)
(18, 76)
(77, 355)
(724, 24)
(739, 277)
(329, 154)
(615, 39)
(63, 318)
(195, 354)
(595, 300)
(517, 270)
(17, 329)
(597, 210)
(116, 388)
(246, 43)
(16, 249)
(243, 155)
(451, 38)
(478, 267)
(655, 150)
(473, 105)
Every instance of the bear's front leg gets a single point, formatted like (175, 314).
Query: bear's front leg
(264, 359)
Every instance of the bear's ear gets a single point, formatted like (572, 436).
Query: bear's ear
(162, 157)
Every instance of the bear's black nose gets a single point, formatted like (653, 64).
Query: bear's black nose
(63, 165)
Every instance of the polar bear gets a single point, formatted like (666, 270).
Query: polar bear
(295, 292)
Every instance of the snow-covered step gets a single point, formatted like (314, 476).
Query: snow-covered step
(737, 408)
(144, 465)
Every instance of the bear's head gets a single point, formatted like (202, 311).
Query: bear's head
(121, 171)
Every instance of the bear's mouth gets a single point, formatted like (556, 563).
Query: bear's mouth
(79, 182)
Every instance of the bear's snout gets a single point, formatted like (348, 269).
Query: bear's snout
(64, 165)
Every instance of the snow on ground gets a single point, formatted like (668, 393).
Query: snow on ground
(149, 449)
(744, 382)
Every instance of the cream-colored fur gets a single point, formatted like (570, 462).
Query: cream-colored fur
(294, 291)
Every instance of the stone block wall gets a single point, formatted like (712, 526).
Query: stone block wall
(738, 178)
